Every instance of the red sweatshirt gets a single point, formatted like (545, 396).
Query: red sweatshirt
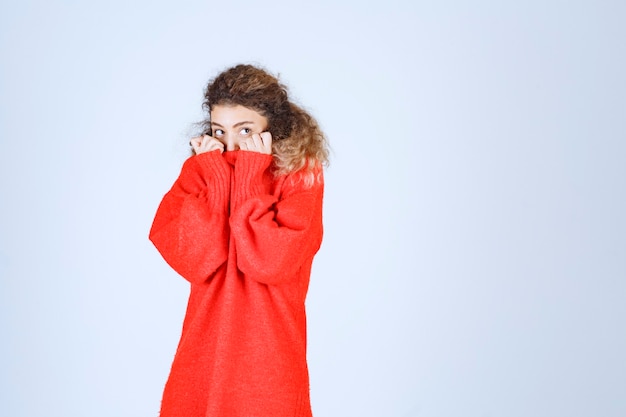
(245, 240)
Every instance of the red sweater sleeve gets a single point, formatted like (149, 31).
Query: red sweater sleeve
(274, 235)
(190, 228)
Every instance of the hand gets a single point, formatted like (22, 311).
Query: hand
(206, 143)
(261, 143)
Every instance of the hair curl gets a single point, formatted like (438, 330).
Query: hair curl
(297, 140)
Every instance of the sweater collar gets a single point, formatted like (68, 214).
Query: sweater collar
(231, 156)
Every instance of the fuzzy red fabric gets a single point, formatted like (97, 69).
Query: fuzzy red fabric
(245, 240)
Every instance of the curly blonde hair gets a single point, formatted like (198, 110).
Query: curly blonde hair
(297, 140)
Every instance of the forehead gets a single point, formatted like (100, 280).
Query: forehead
(228, 115)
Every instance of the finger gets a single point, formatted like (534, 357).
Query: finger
(206, 143)
(266, 138)
(215, 144)
(257, 142)
(206, 139)
(195, 143)
(202, 147)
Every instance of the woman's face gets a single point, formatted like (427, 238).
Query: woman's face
(232, 124)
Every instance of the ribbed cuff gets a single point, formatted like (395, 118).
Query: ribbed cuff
(216, 174)
(249, 171)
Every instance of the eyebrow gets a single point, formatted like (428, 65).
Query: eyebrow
(235, 125)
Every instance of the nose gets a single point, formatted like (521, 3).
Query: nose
(231, 143)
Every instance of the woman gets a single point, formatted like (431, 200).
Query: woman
(242, 224)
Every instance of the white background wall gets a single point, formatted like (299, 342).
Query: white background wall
(474, 261)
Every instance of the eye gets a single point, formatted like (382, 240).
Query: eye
(245, 131)
(218, 132)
